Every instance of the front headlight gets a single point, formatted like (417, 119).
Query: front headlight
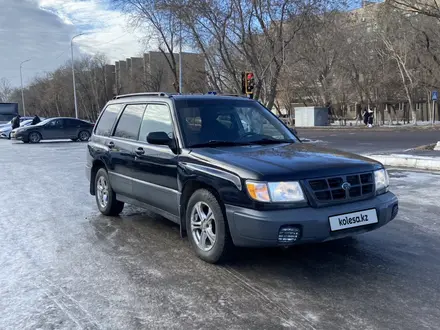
(275, 191)
(382, 180)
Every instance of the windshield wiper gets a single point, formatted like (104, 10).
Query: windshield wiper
(270, 141)
(218, 143)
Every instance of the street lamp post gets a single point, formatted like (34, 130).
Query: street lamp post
(22, 93)
(180, 59)
(73, 74)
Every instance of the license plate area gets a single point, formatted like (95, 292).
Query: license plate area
(353, 219)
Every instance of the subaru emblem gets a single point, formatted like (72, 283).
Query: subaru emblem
(346, 186)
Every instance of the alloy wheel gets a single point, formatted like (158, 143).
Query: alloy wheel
(34, 137)
(203, 226)
(102, 191)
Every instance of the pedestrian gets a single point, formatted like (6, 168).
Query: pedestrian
(16, 122)
(365, 116)
(35, 120)
(370, 118)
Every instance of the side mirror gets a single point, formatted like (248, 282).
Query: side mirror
(158, 138)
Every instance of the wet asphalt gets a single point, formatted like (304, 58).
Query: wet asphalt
(65, 266)
(370, 141)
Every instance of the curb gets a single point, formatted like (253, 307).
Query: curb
(418, 162)
(364, 128)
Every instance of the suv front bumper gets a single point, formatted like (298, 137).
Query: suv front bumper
(255, 228)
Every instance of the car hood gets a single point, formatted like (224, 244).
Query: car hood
(6, 128)
(285, 161)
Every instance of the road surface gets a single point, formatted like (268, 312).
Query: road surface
(371, 141)
(65, 266)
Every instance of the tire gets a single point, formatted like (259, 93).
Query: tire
(34, 137)
(105, 196)
(84, 136)
(210, 239)
(9, 136)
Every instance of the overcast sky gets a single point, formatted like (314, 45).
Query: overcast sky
(41, 30)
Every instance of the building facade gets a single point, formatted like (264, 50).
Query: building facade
(159, 72)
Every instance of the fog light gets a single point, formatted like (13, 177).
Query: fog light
(395, 211)
(288, 234)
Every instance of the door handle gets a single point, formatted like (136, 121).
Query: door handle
(139, 151)
(111, 144)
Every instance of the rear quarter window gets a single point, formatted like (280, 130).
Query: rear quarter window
(107, 120)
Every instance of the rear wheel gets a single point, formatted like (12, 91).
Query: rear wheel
(105, 196)
(207, 227)
(9, 136)
(34, 137)
(84, 136)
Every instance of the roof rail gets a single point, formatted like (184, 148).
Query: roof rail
(142, 94)
(227, 94)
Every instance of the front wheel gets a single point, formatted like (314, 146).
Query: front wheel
(207, 228)
(105, 196)
(34, 137)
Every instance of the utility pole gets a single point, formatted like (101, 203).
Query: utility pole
(73, 74)
(180, 59)
(22, 92)
(434, 97)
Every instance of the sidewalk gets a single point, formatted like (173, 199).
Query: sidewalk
(422, 160)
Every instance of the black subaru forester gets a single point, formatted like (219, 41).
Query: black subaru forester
(230, 173)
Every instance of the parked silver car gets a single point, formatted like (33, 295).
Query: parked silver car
(6, 131)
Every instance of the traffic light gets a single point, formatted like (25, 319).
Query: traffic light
(248, 82)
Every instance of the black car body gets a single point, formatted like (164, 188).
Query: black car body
(190, 159)
(56, 129)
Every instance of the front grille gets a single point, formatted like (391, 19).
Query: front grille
(331, 190)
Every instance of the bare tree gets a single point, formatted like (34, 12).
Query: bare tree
(51, 94)
(399, 39)
(5, 90)
(160, 25)
(429, 8)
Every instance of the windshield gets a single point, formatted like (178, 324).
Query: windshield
(43, 122)
(26, 122)
(227, 121)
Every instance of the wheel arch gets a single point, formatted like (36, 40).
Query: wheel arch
(97, 164)
(188, 189)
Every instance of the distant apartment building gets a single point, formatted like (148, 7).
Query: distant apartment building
(153, 73)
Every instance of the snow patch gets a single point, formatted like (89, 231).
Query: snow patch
(311, 141)
(413, 161)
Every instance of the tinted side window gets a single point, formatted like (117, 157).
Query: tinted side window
(107, 120)
(130, 122)
(157, 118)
(71, 122)
(56, 123)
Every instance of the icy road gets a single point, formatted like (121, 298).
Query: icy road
(65, 266)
